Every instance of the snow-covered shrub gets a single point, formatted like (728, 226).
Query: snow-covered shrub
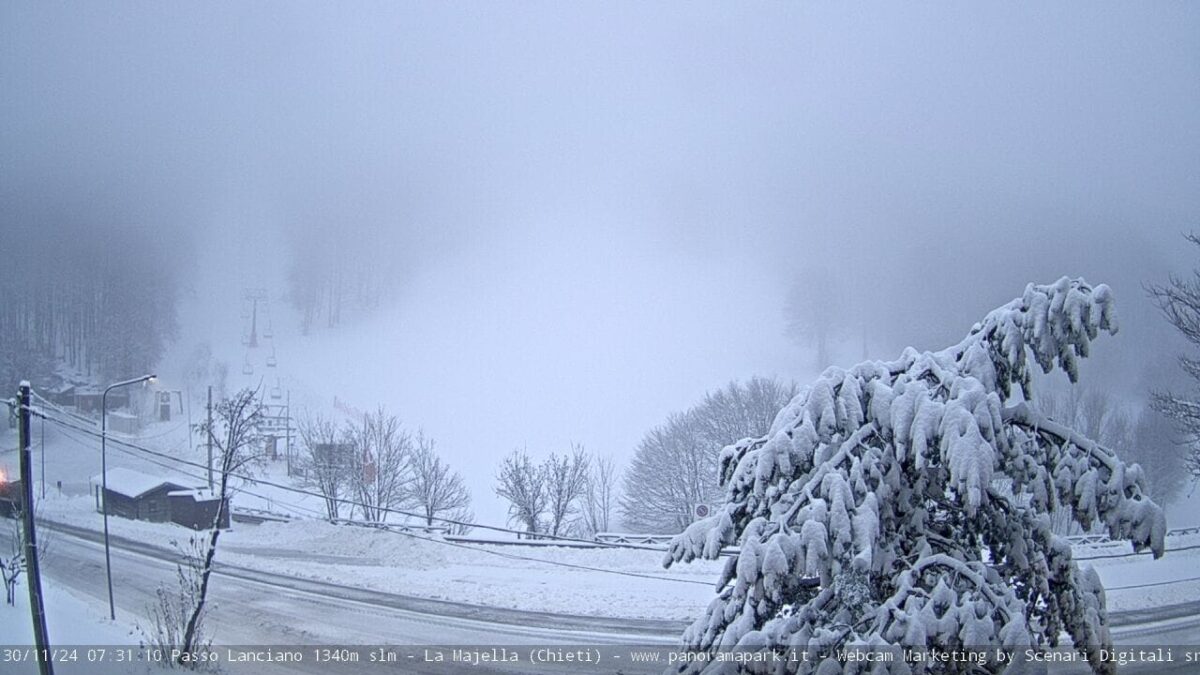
(905, 503)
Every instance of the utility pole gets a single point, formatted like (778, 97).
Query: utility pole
(32, 565)
(209, 439)
(43, 448)
(288, 433)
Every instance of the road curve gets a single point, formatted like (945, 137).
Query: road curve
(252, 607)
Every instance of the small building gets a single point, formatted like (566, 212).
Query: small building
(123, 422)
(88, 400)
(63, 395)
(197, 509)
(176, 499)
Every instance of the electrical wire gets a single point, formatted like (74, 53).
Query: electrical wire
(1137, 553)
(513, 556)
(1156, 583)
(182, 472)
(293, 489)
(510, 556)
(350, 502)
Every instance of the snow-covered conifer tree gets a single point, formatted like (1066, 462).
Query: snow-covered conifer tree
(905, 504)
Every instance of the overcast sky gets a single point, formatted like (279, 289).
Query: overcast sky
(594, 210)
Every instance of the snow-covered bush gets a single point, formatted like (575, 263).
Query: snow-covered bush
(904, 503)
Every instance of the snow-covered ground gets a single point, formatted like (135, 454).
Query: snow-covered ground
(547, 579)
(550, 579)
(73, 623)
(1140, 582)
(70, 619)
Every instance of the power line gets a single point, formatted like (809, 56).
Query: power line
(1156, 583)
(1137, 553)
(350, 502)
(514, 556)
(598, 544)
(182, 472)
(511, 556)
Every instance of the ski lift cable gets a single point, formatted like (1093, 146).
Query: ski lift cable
(349, 502)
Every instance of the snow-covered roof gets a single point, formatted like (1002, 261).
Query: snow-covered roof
(133, 483)
(198, 494)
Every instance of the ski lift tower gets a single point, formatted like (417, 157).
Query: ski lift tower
(253, 296)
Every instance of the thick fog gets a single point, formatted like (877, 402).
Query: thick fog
(559, 222)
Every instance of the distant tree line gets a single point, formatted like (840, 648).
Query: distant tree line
(333, 275)
(102, 303)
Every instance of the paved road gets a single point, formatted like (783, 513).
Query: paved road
(258, 608)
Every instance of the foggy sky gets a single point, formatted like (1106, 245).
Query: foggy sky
(593, 211)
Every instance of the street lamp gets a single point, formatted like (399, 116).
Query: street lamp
(112, 608)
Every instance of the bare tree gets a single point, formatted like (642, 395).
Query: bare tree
(522, 483)
(171, 611)
(672, 472)
(740, 409)
(1179, 302)
(326, 460)
(379, 464)
(565, 479)
(1093, 412)
(599, 495)
(674, 467)
(12, 566)
(435, 489)
(814, 312)
(235, 433)
(463, 519)
(1157, 448)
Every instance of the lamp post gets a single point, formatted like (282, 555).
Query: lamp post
(112, 608)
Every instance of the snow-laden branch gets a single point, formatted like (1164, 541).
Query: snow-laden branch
(879, 481)
(1021, 414)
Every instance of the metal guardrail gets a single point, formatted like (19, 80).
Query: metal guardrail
(602, 539)
(395, 527)
(1101, 539)
(258, 516)
(626, 538)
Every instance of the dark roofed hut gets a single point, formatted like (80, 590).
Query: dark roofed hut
(197, 509)
(138, 496)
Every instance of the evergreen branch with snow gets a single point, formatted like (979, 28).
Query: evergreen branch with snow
(905, 503)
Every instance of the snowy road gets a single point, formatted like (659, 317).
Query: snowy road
(259, 608)
(256, 608)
